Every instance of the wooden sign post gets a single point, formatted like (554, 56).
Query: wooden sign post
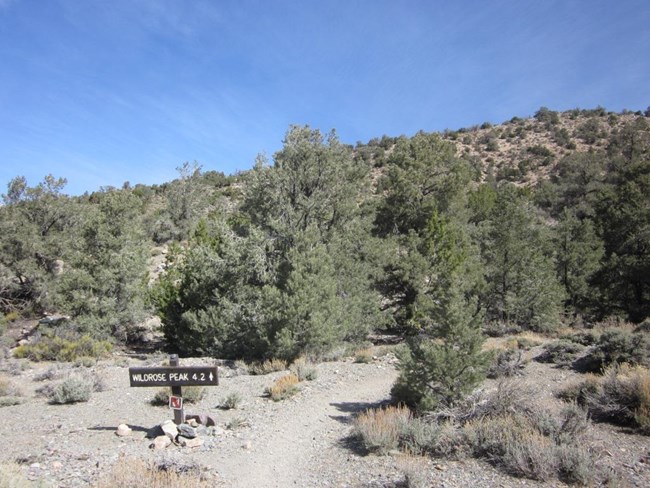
(176, 377)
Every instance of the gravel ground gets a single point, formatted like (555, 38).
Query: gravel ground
(304, 441)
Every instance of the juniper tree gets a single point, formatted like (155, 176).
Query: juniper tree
(444, 361)
(522, 287)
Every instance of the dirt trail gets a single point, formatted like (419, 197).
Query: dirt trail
(288, 447)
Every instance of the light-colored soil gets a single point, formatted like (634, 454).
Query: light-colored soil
(304, 441)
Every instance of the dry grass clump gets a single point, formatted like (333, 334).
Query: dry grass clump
(620, 396)
(237, 423)
(363, 356)
(304, 369)
(524, 340)
(8, 388)
(10, 393)
(266, 367)
(130, 472)
(284, 387)
(381, 429)
(414, 469)
(12, 477)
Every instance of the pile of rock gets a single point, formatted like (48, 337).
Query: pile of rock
(183, 435)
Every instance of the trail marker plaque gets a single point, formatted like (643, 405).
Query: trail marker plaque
(176, 377)
(175, 402)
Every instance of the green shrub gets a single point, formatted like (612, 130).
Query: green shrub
(541, 151)
(546, 116)
(72, 390)
(575, 465)
(514, 444)
(85, 362)
(590, 131)
(232, 401)
(506, 363)
(536, 447)
(419, 436)
(55, 348)
(585, 337)
(10, 401)
(497, 328)
(619, 346)
(562, 352)
(562, 137)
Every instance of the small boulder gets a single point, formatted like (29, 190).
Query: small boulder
(186, 431)
(202, 419)
(195, 442)
(160, 443)
(170, 429)
(123, 430)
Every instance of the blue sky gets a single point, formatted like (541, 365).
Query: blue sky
(107, 91)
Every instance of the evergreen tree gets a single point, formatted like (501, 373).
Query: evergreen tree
(624, 222)
(291, 273)
(104, 287)
(521, 284)
(35, 228)
(424, 175)
(579, 255)
(444, 361)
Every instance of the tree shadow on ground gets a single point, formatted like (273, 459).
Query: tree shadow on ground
(113, 428)
(350, 409)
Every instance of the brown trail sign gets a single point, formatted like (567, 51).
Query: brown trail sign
(175, 376)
